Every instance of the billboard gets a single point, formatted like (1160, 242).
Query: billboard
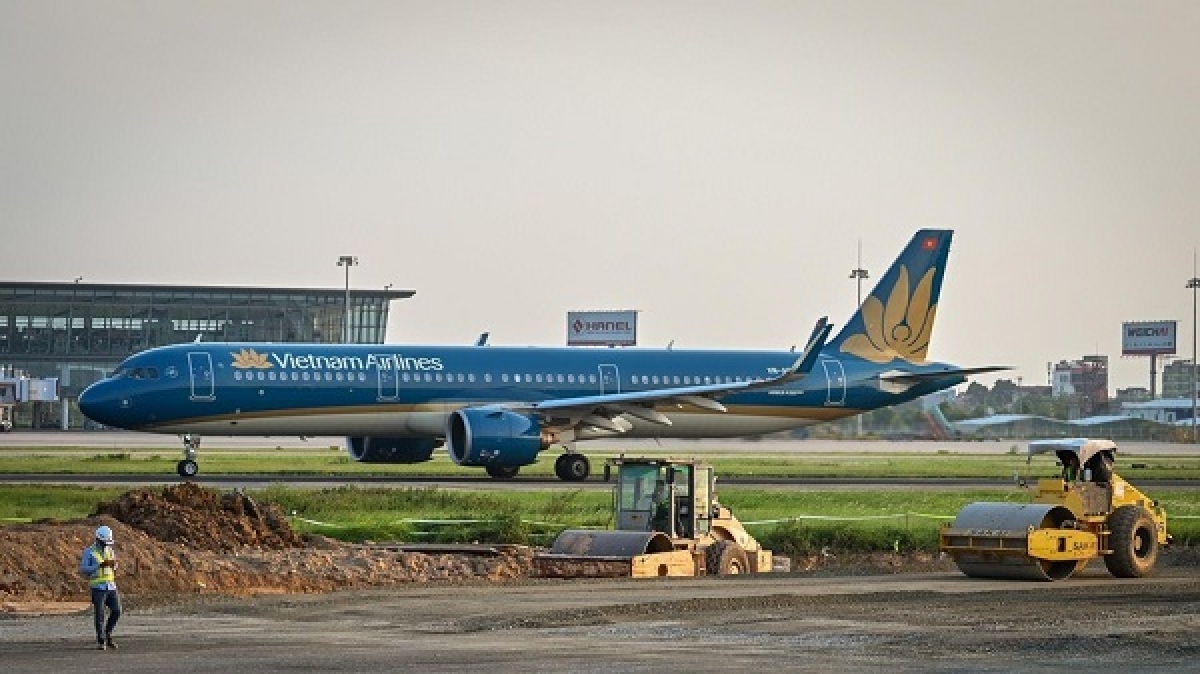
(602, 328)
(1148, 338)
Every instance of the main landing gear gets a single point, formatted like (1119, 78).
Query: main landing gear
(572, 467)
(188, 466)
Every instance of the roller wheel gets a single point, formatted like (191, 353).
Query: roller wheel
(725, 558)
(502, 472)
(572, 467)
(1134, 543)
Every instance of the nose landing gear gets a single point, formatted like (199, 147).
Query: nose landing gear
(188, 466)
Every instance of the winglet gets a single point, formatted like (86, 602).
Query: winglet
(816, 341)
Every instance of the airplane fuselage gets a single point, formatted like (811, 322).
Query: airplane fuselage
(409, 391)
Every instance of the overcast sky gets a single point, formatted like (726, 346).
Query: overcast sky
(713, 164)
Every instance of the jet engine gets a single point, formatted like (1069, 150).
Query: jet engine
(368, 449)
(493, 437)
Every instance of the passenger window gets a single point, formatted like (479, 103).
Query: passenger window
(305, 376)
(404, 376)
(271, 375)
(338, 376)
(516, 378)
(237, 375)
(471, 377)
(487, 378)
(591, 379)
(539, 379)
(570, 379)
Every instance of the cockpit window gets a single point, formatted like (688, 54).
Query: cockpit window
(135, 373)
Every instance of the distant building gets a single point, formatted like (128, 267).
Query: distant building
(1165, 410)
(1085, 381)
(1133, 394)
(1177, 379)
(79, 332)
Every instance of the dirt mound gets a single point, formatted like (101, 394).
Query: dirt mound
(203, 519)
(187, 539)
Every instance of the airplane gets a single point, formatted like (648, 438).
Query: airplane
(499, 407)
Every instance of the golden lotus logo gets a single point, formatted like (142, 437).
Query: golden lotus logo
(899, 330)
(249, 359)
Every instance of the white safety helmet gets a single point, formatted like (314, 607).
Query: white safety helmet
(104, 535)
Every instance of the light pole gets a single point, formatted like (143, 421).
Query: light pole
(1194, 284)
(347, 261)
(859, 274)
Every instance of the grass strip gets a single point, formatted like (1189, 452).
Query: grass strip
(867, 520)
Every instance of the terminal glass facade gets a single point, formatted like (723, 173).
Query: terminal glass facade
(80, 332)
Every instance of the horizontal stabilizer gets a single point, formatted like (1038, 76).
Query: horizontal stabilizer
(912, 378)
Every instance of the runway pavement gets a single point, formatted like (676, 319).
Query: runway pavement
(126, 439)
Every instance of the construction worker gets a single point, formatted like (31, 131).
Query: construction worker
(98, 565)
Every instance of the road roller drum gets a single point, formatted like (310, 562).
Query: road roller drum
(1032, 541)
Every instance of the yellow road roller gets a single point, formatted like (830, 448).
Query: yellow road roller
(668, 523)
(1088, 511)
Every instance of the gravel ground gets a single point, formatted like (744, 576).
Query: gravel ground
(907, 622)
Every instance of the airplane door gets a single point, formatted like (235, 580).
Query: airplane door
(389, 380)
(610, 379)
(201, 369)
(835, 378)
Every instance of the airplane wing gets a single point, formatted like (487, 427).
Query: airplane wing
(603, 411)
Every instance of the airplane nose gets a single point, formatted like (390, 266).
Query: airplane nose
(98, 404)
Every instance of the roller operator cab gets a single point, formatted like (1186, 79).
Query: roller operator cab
(1086, 511)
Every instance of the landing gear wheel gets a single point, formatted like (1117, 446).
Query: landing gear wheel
(502, 472)
(1134, 543)
(572, 467)
(725, 558)
(187, 468)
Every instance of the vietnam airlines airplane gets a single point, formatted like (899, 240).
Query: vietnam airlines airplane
(499, 407)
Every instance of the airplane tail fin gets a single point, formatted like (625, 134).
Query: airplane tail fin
(896, 319)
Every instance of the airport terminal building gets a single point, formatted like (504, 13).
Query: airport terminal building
(79, 332)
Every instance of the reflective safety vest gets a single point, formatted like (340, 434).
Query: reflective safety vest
(103, 574)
